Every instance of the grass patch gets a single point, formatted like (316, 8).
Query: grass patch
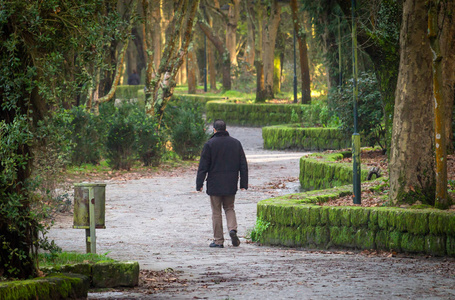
(65, 258)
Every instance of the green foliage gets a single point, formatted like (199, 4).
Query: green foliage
(86, 134)
(258, 230)
(18, 223)
(132, 135)
(46, 51)
(187, 128)
(64, 258)
(370, 112)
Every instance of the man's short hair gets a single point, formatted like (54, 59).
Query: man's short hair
(219, 125)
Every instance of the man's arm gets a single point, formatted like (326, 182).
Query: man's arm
(243, 170)
(204, 166)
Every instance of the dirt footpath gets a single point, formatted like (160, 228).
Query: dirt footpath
(164, 224)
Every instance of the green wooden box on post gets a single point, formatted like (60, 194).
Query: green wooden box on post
(89, 210)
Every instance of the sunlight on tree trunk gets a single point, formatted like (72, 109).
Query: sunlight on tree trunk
(434, 35)
(269, 34)
(191, 63)
(303, 54)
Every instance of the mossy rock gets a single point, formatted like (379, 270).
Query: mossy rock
(115, 274)
(435, 245)
(82, 268)
(55, 286)
(413, 243)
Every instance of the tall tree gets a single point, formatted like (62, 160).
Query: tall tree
(161, 80)
(44, 48)
(231, 29)
(303, 53)
(439, 21)
(270, 25)
(411, 164)
(222, 50)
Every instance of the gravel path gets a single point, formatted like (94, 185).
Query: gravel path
(162, 223)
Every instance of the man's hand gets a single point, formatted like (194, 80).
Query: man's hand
(200, 190)
(243, 189)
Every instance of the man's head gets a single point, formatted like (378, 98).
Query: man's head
(219, 125)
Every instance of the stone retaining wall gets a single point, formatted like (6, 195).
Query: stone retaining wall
(292, 223)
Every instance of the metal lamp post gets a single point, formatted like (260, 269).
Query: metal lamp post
(295, 73)
(356, 135)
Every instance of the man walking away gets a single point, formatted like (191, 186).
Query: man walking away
(222, 160)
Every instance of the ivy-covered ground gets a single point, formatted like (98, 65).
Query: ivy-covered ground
(157, 218)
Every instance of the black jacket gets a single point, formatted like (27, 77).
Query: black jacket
(223, 159)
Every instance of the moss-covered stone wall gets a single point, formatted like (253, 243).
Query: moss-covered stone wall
(254, 114)
(310, 139)
(57, 286)
(297, 220)
(321, 171)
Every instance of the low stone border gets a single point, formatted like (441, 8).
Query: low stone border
(310, 139)
(294, 220)
(103, 274)
(320, 171)
(57, 286)
(256, 114)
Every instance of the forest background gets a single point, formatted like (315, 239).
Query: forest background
(62, 61)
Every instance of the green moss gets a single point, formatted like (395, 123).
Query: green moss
(115, 274)
(394, 240)
(373, 219)
(413, 243)
(359, 217)
(334, 216)
(416, 222)
(315, 216)
(365, 239)
(383, 216)
(382, 240)
(450, 246)
(435, 245)
(321, 236)
(345, 217)
(61, 286)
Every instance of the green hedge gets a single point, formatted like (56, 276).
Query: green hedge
(57, 286)
(295, 220)
(253, 114)
(311, 139)
(321, 171)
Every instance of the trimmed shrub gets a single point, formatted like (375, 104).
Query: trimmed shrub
(187, 128)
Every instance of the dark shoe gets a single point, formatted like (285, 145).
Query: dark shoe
(213, 245)
(235, 240)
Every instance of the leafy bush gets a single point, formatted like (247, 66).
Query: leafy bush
(370, 112)
(87, 136)
(148, 141)
(120, 141)
(132, 135)
(187, 128)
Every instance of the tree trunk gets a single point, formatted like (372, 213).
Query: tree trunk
(156, 33)
(277, 74)
(250, 44)
(448, 66)
(411, 164)
(329, 47)
(270, 31)
(231, 30)
(211, 62)
(191, 63)
(221, 48)
(260, 91)
(303, 54)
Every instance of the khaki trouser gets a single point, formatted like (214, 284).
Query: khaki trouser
(217, 219)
